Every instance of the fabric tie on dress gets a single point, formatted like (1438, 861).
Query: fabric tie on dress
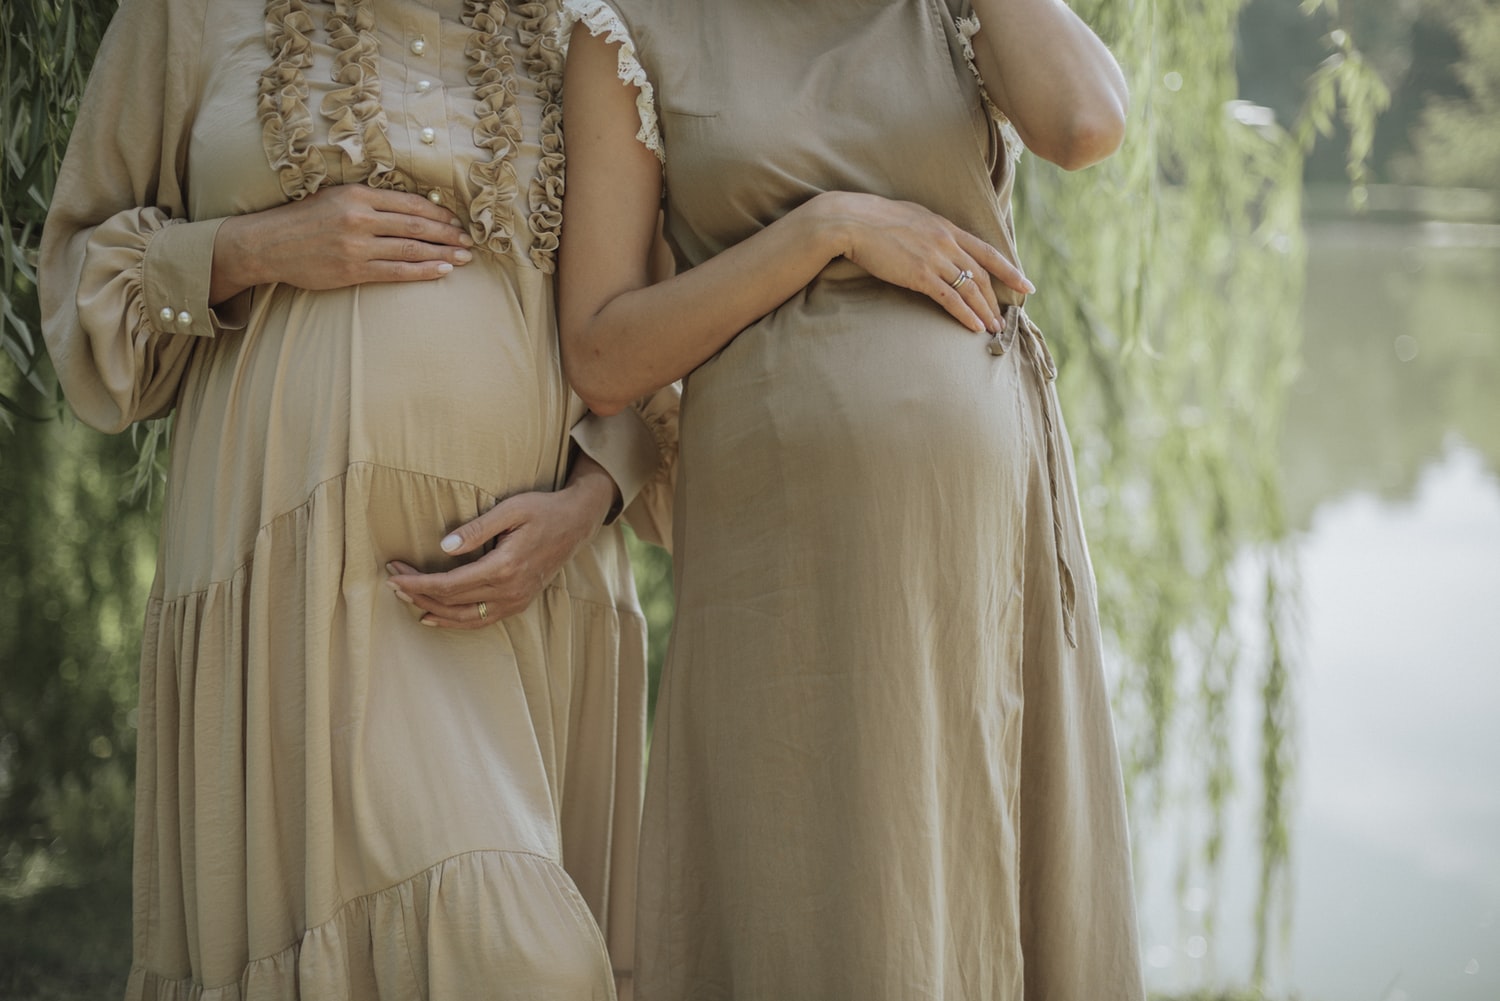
(1018, 324)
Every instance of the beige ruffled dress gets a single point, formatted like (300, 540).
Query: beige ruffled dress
(883, 765)
(334, 801)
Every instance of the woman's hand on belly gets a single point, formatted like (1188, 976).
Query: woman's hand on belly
(909, 245)
(348, 234)
(536, 533)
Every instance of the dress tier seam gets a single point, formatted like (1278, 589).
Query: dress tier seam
(500, 853)
(241, 565)
(576, 599)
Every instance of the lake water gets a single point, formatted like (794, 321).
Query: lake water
(1391, 459)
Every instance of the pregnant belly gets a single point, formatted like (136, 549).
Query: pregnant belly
(864, 380)
(857, 432)
(455, 380)
(853, 481)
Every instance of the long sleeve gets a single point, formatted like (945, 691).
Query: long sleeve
(638, 448)
(124, 277)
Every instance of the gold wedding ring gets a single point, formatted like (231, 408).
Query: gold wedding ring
(963, 276)
(484, 611)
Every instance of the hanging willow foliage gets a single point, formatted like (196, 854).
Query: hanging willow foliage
(47, 49)
(1171, 279)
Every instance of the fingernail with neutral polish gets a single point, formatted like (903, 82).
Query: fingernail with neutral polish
(451, 542)
(391, 568)
(399, 593)
(463, 256)
(444, 267)
(428, 622)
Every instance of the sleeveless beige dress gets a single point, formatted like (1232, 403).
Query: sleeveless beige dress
(883, 764)
(332, 800)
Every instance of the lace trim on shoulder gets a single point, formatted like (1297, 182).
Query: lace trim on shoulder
(498, 126)
(968, 27)
(357, 123)
(601, 19)
(286, 128)
(538, 32)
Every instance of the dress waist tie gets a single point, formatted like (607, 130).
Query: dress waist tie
(1034, 346)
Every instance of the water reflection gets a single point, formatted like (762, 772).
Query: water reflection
(1391, 463)
(1396, 860)
(1402, 350)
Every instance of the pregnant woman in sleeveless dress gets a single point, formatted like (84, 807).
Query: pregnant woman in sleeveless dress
(883, 764)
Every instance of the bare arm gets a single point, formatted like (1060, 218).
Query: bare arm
(1053, 78)
(623, 337)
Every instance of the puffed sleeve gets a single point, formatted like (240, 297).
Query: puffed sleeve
(124, 276)
(638, 448)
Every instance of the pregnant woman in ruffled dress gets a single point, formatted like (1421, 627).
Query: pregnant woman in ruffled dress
(376, 760)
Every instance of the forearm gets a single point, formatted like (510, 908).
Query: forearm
(648, 337)
(1053, 77)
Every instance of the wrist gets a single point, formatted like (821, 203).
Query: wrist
(234, 263)
(593, 489)
(831, 216)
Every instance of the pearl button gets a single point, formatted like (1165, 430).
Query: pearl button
(184, 319)
(423, 86)
(435, 196)
(418, 46)
(429, 136)
(167, 316)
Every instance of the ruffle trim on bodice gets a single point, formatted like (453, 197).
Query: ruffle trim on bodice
(459, 900)
(359, 129)
(357, 123)
(600, 19)
(538, 32)
(492, 73)
(285, 122)
(968, 27)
